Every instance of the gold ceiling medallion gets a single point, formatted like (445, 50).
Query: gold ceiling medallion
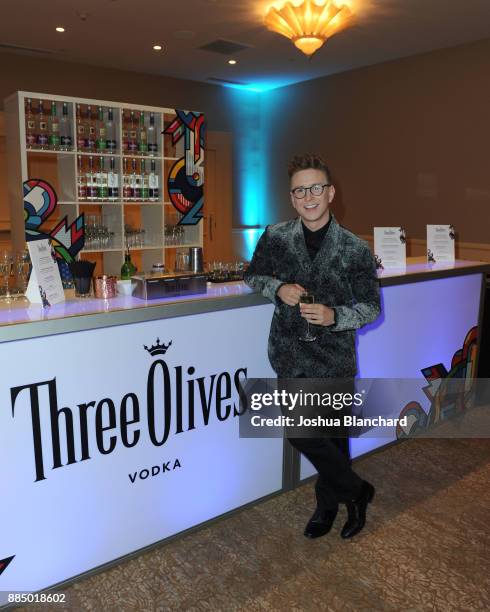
(310, 23)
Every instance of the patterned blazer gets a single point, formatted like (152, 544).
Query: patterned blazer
(342, 276)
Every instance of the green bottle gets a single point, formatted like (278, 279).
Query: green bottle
(128, 268)
(101, 142)
(145, 192)
(54, 129)
(143, 136)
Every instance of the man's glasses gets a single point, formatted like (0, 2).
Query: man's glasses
(315, 190)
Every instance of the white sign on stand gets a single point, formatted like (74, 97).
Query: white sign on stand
(45, 285)
(390, 249)
(440, 243)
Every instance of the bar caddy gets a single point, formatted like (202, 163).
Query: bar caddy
(151, 286)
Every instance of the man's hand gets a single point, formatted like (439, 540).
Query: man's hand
(318, 314)
(289, 294)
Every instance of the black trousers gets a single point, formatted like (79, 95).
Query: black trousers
(330, 455)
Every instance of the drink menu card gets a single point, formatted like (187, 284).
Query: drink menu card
(440, 243)
(390, 249)
(45, 282)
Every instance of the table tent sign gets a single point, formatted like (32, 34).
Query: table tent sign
(440, 243)
(390, 249)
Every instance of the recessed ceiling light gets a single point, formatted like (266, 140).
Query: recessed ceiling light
(60, 29)
(157, 47)
(232, 62)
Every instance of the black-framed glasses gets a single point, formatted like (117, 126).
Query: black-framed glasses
(315, 190)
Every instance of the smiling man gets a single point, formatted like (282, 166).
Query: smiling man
(314, 255)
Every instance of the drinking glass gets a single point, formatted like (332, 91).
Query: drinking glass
(6, 270)
(307, 298)
(22, 268)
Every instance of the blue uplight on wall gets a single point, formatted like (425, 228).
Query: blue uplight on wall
(249, 159)
(252, 210)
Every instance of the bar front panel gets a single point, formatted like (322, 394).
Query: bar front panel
(116, 438)
(423, 324)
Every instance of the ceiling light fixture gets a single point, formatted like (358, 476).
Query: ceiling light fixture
(309, 24)
(157, 47)
(60, 29)
(232, 62)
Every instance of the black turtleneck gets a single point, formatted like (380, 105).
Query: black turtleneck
(314, 239)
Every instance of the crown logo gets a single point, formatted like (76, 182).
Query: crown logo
(158, 349)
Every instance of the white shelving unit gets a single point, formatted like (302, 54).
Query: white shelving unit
(60, 168)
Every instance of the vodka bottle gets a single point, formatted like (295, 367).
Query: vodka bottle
(101, 142)
(92, 130)
(135, 182)
(152, 136)
(110, 129)
(126, 181)
(153, 191)
(82, 130)
(142, 136)
(42, 127)
(91, 180)
(144, 193)
(125, 133)
(81, 181)
(54, 129)
(113, 181)
(102, 181)
(31, 133)
(66, 141)
(133, 134)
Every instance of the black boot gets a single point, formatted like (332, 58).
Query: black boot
(356, 511)
(320, 523)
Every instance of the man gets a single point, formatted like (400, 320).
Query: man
(315, 254)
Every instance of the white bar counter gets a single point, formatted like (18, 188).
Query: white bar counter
(119, 424)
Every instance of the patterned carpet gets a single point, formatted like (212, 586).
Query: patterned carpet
(426, 547)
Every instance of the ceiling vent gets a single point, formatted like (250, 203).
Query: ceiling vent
(10, 47)
(225, 81)
(225, 47)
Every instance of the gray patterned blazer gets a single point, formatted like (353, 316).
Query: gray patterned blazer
(341, 276)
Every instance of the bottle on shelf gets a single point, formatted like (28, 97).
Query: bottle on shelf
(128, 268)
(135, 182)
(102, 181)
(81, 181)
(153, 191)
(66, 141)
(133, 134)
(101, 142)
(91, 180)
(31, 134)
(126, 181)
(152, 136)
(110, 130)
(113, 181)
(54, 129)
(144, 191)
(42, 127)
(142, 136)
(81, 129)
(92, 130)
(125, 132)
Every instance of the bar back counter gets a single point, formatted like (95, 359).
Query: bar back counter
(119, 418)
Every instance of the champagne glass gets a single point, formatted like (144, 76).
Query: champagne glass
(6, 270)
(307, 298)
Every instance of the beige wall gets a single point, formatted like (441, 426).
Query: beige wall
(408, 141)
